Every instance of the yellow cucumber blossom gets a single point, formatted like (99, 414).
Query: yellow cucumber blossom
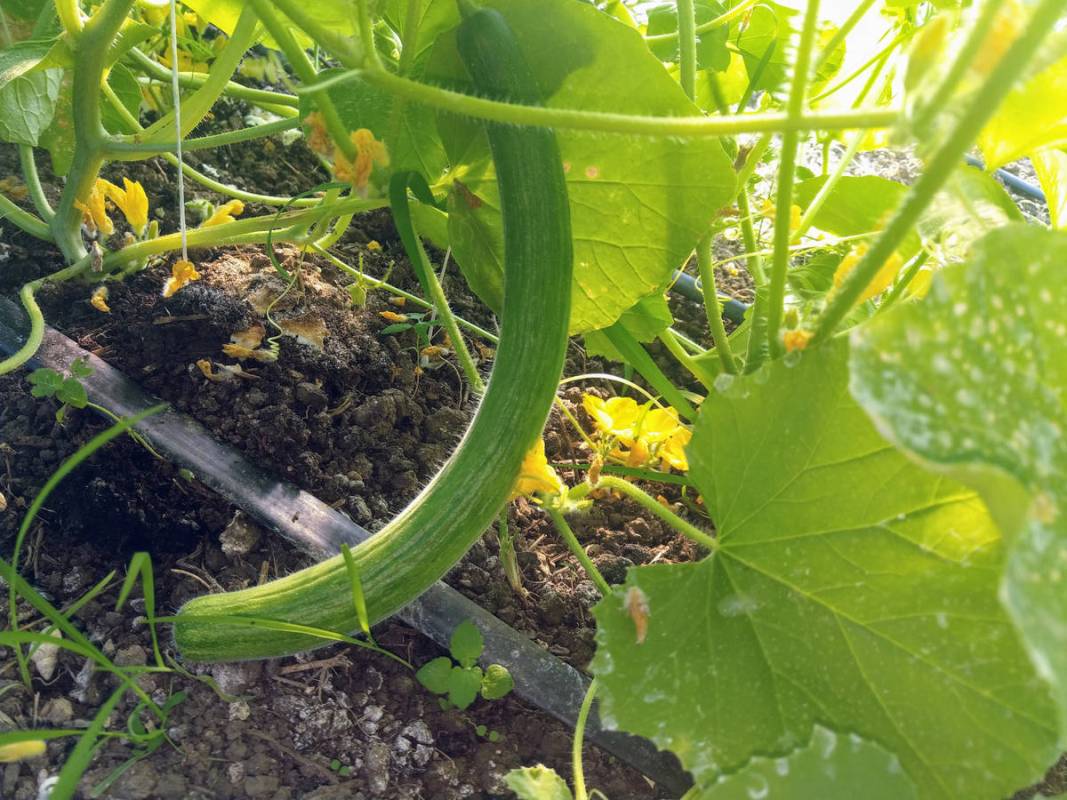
(131, 201)
(369, 151)
(224, 213)
(882, 279)
(94, 209)
(769, 209)
(651, 434)
(796, 339)
(536, 476)
(182, 273)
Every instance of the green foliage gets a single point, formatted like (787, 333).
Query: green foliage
(973, 382)
(67, 389)
(849, 587)
(460, 678)
(1032, 118)
(830, 767)
(538, 783)
(711, 46)
(638, 206)
(27, 104)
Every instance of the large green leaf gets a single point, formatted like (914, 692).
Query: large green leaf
(27, 104)
(831, 766)
(1051, 169)
(849, 587)
(1032, 117)
(638, 205)
(23, 57)
(974, 382)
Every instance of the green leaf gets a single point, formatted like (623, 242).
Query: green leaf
(22, 58)
(45, 381)
(80, 368)
(72, 393)
(125, 85)
(1051, 169)
(435, 17)
(496, 682)
(337, 17)
(711, 46)
(58, 137)
(645, 321)
(463, 685)
(1031, 118)
(768, 26)
(467, 643)
(538, 783)
(434, 675)
(849, 588)
(973, 381)
(27, 104)
(131, 35)
(638, 205)
(831, 766)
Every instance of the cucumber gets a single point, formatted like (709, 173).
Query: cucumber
(426, 539)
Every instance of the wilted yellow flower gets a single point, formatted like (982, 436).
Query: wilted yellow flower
(131, 201)
(796, 339)
(18, 751)
(94, 208)
(181, 273)
(882, 279)
(98, 300)
(185, 62)
(225, 213)
(374, 246)
(318, 138)
(535, 475)
(369, 151)
(392, 316)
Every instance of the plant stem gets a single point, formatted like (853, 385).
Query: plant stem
(448, 320)
(409, 36)
(195, 107)
(650, 504)
(33, 183)
(638, 358)
(843, 32)
(340, 46)
(944, 162)
(687, 47)
(573, 119)
(69, 16)
(232, 89)
(366, 35)
(307, 73)
(786, 175)
(723, 19)
(712, 308)
(90, 49)
(578, 551)
(902, 283)
(576, 747)
(134, 149)
(24, 219)
(694, 367)
(507, 554)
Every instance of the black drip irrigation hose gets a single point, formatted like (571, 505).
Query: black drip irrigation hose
(734, 310)
(540, 677)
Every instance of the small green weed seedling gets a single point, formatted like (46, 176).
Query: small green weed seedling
(459, 679)
(67, 388)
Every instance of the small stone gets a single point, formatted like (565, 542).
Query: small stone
(552, 608)
(240, 537)
(376, 768)
(46, 656)
(235, 678)
(239, 711)
(3, 502)
(131, 656)
(57, 711)
(236, 772)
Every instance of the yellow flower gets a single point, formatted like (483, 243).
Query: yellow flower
(535, 475)
(796, 339)
(882, 279)
(369, 151)
(98, 300)
(318, 139)
(392, 316)
(181, 273)
(224, 213)
(131, 201)
(768, 209)
(94, 208)
(18, 751)
(650, 434)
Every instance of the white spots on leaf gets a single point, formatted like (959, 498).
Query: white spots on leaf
(736, 605)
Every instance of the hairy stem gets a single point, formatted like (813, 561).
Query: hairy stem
(577, 550)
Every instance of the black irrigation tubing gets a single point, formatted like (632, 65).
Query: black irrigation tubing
(540, 677)
(734, 310)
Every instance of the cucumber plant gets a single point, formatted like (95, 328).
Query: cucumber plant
(881, 595)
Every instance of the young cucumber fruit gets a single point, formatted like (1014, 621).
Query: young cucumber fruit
(419, 546)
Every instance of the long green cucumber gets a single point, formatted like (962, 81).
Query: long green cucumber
(439, 526)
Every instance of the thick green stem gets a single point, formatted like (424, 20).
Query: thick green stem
(786, 174)
(133, 149)
(687, 47)
(573, 119)
(652, 505)
(24, 219)
(307, 73)
(567, 535)
(69, 16)
(90, 51)
(944, 162)
(33, 183)
(194, 80)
